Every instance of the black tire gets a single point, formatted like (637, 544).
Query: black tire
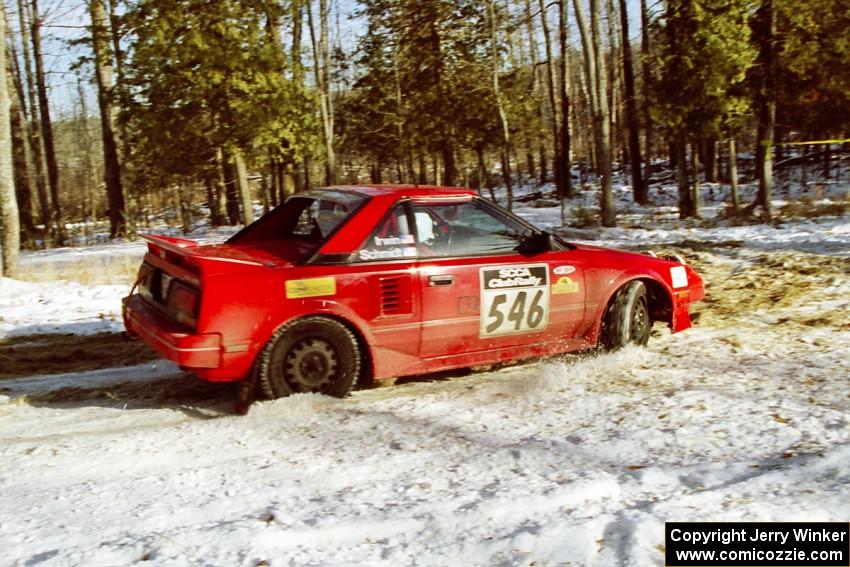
(627, 319)
(314, 354)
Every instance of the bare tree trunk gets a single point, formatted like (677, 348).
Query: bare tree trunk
(17, 117)
(228, 180)
(447, 139)
(503, 117)
(613, 65)
(88, 163)
(184, 201)
(710, 160)
(423, 169)
(21, 170)
(46, 124)
(485, 173)
(695, 190)
(550, 84)
(287, 176)
(579, 111)
(321, 69)
(733, 174)
(212, 201)
(219, 190)
(111, 166)
(766, 104)
(647, 79)
(297, 11)
(638, 186)
(123, 96)
(33, 131)
(565, 157)
(244, 189)
(10, 230)
(532, 49)
(686, 204)
(274, 189)
(595, 74)
(606, 196)
(277, 175)
(324, 46)
(399, 120)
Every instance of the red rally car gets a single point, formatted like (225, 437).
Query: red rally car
(385, 281)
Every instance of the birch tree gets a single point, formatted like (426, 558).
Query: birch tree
(46, 123)
(322, 74)
(10, 230)
(500, 106)
(594, 66)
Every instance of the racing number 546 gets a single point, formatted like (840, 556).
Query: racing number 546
(511, 312)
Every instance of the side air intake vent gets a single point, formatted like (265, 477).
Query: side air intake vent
(395, 294)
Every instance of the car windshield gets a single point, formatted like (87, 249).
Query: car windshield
(304, 220)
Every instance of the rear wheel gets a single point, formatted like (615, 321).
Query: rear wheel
(627, 319)
(314, 354)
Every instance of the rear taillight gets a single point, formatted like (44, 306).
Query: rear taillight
(183, 302)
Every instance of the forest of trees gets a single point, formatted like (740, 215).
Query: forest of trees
(211, 105)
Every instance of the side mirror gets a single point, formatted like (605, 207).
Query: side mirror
(536, 243)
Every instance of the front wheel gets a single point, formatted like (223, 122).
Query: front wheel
(314, 354)
(627, 319)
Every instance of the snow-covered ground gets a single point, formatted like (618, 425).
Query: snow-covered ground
(570, 461)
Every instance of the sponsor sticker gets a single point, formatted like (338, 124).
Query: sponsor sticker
(394, 240)
(565, 284)
(311, 287)
(388, 254)
(679, 276)
(564, 270)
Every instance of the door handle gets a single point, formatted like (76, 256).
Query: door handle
(434, 281)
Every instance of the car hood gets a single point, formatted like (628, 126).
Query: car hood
(642, 255)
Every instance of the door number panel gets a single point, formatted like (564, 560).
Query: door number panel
(514, 300)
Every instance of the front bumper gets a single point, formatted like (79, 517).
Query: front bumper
(187, 350)
(683, 299)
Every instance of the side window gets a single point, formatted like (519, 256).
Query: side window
(306, 226)
(465, 229)
(392, 239)
(319, 219)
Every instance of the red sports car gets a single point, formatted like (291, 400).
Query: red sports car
(385, 281)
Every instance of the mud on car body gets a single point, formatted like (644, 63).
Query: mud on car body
(388, 281)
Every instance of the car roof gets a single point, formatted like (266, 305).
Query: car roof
(411, 191)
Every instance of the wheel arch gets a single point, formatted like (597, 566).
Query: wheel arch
(367, 360)
(659, 298)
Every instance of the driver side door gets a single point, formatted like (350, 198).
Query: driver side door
(479, 294)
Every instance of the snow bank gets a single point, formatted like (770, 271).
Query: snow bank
(28, 308)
